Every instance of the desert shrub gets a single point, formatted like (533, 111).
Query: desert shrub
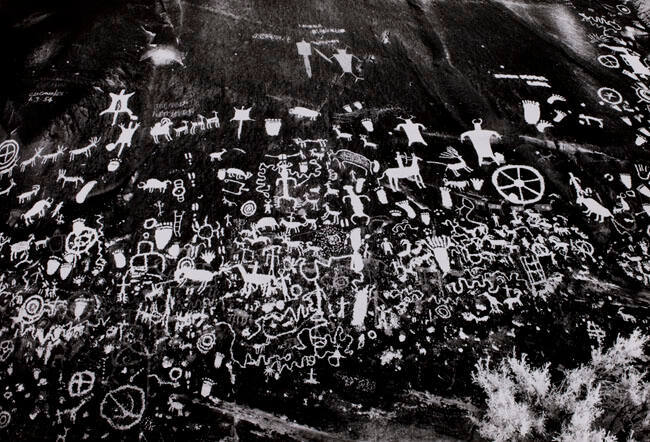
(607, 399)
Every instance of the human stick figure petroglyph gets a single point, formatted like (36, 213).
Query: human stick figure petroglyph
(482, 141)
(119, 104)
(241, 115)
(124, 140)
(344, 59)
(412, 130)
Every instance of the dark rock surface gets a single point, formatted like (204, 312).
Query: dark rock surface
(361, 313)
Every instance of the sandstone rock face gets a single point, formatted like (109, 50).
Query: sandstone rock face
(308, 220)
